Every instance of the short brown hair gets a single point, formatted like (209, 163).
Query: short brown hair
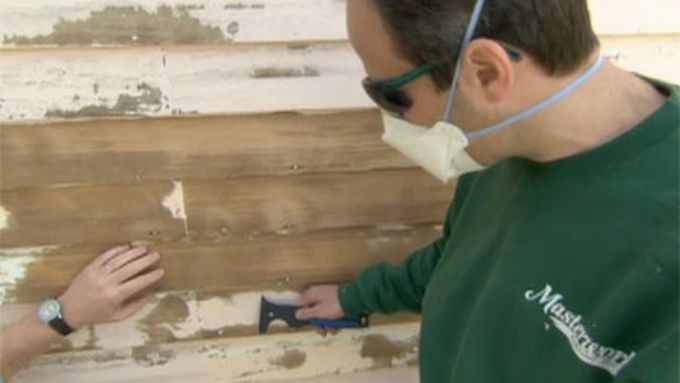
(556, 33)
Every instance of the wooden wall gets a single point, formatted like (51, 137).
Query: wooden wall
(232, 136)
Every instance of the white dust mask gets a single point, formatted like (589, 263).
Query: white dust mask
(440, 150)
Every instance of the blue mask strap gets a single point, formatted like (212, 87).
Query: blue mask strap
(474, 20)
(562, 93)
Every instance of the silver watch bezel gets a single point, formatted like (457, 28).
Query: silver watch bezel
(49, 310)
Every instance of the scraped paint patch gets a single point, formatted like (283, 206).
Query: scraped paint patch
(229, 315)
(174, 203)
(290, 359)
(127, 25)
(147, 100)
(385, 351)
(152, 356)
(13, 266)
(4, 218)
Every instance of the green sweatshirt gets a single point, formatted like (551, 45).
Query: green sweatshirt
(550, 272)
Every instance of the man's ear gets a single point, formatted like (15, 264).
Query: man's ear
(488, 71)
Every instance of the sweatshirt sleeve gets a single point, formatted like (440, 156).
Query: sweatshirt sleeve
(387, 289)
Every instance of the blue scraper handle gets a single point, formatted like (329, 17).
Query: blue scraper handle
(356, 322)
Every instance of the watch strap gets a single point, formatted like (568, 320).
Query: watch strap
(59, 325)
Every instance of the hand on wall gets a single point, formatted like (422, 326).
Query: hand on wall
(113, 287)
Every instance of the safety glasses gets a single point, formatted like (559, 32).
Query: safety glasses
(389, 95)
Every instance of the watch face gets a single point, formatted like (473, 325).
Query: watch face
(49, 310)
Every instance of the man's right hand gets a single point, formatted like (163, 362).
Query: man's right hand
(320, 302)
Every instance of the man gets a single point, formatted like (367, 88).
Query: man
(559, 255)
(113, 287)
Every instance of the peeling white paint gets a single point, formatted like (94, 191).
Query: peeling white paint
(4, 218)
(216, 313)
(174, 203)
(237, 359)
(13, 266)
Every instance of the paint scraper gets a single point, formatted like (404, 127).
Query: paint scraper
(270, 312)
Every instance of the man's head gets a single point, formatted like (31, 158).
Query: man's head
(392, 37)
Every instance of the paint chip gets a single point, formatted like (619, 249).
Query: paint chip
(4, 218)
(13, 266)
(174, 203)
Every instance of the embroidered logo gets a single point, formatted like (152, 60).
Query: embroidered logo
(569, 324)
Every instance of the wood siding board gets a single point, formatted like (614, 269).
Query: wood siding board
(72, 84)
(205, 21)
(132, 151)
(180, 316)
(233, 359)
(314, 202)
(72, 215)
(272, 262)
(164, 211)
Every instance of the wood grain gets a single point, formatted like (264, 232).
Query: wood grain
(133, 151)
(166, 211)
(276, 262)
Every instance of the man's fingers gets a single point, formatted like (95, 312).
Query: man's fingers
(137, 284)
(108, 254)
(306, 313)
(136, 266)
(124, 258)
(311, 296)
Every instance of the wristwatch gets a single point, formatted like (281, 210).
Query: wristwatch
(50, 313)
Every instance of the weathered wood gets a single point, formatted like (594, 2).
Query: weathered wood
(85, 83)
(131, 151)
(71, 215)
(286, 356)
(183, 316)
(153, 22)
(314, 202)
(164, 211)
(290, 262)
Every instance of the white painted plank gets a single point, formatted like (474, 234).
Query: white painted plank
(177, 316)
(247, 21)
(35, 85)
(240, 21)
(264, 358)
(154, 82)
(385, 375)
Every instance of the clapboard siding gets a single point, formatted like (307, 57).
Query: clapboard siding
(84, 83)
(173, 210)
(137, 150)
(76, 83)
(153, 22)
(255, 262)
(270, 358)
(125, 120)
(181, 316)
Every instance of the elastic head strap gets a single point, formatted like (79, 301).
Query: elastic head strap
(472, 26)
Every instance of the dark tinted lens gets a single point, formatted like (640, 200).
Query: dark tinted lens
(392, 100)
